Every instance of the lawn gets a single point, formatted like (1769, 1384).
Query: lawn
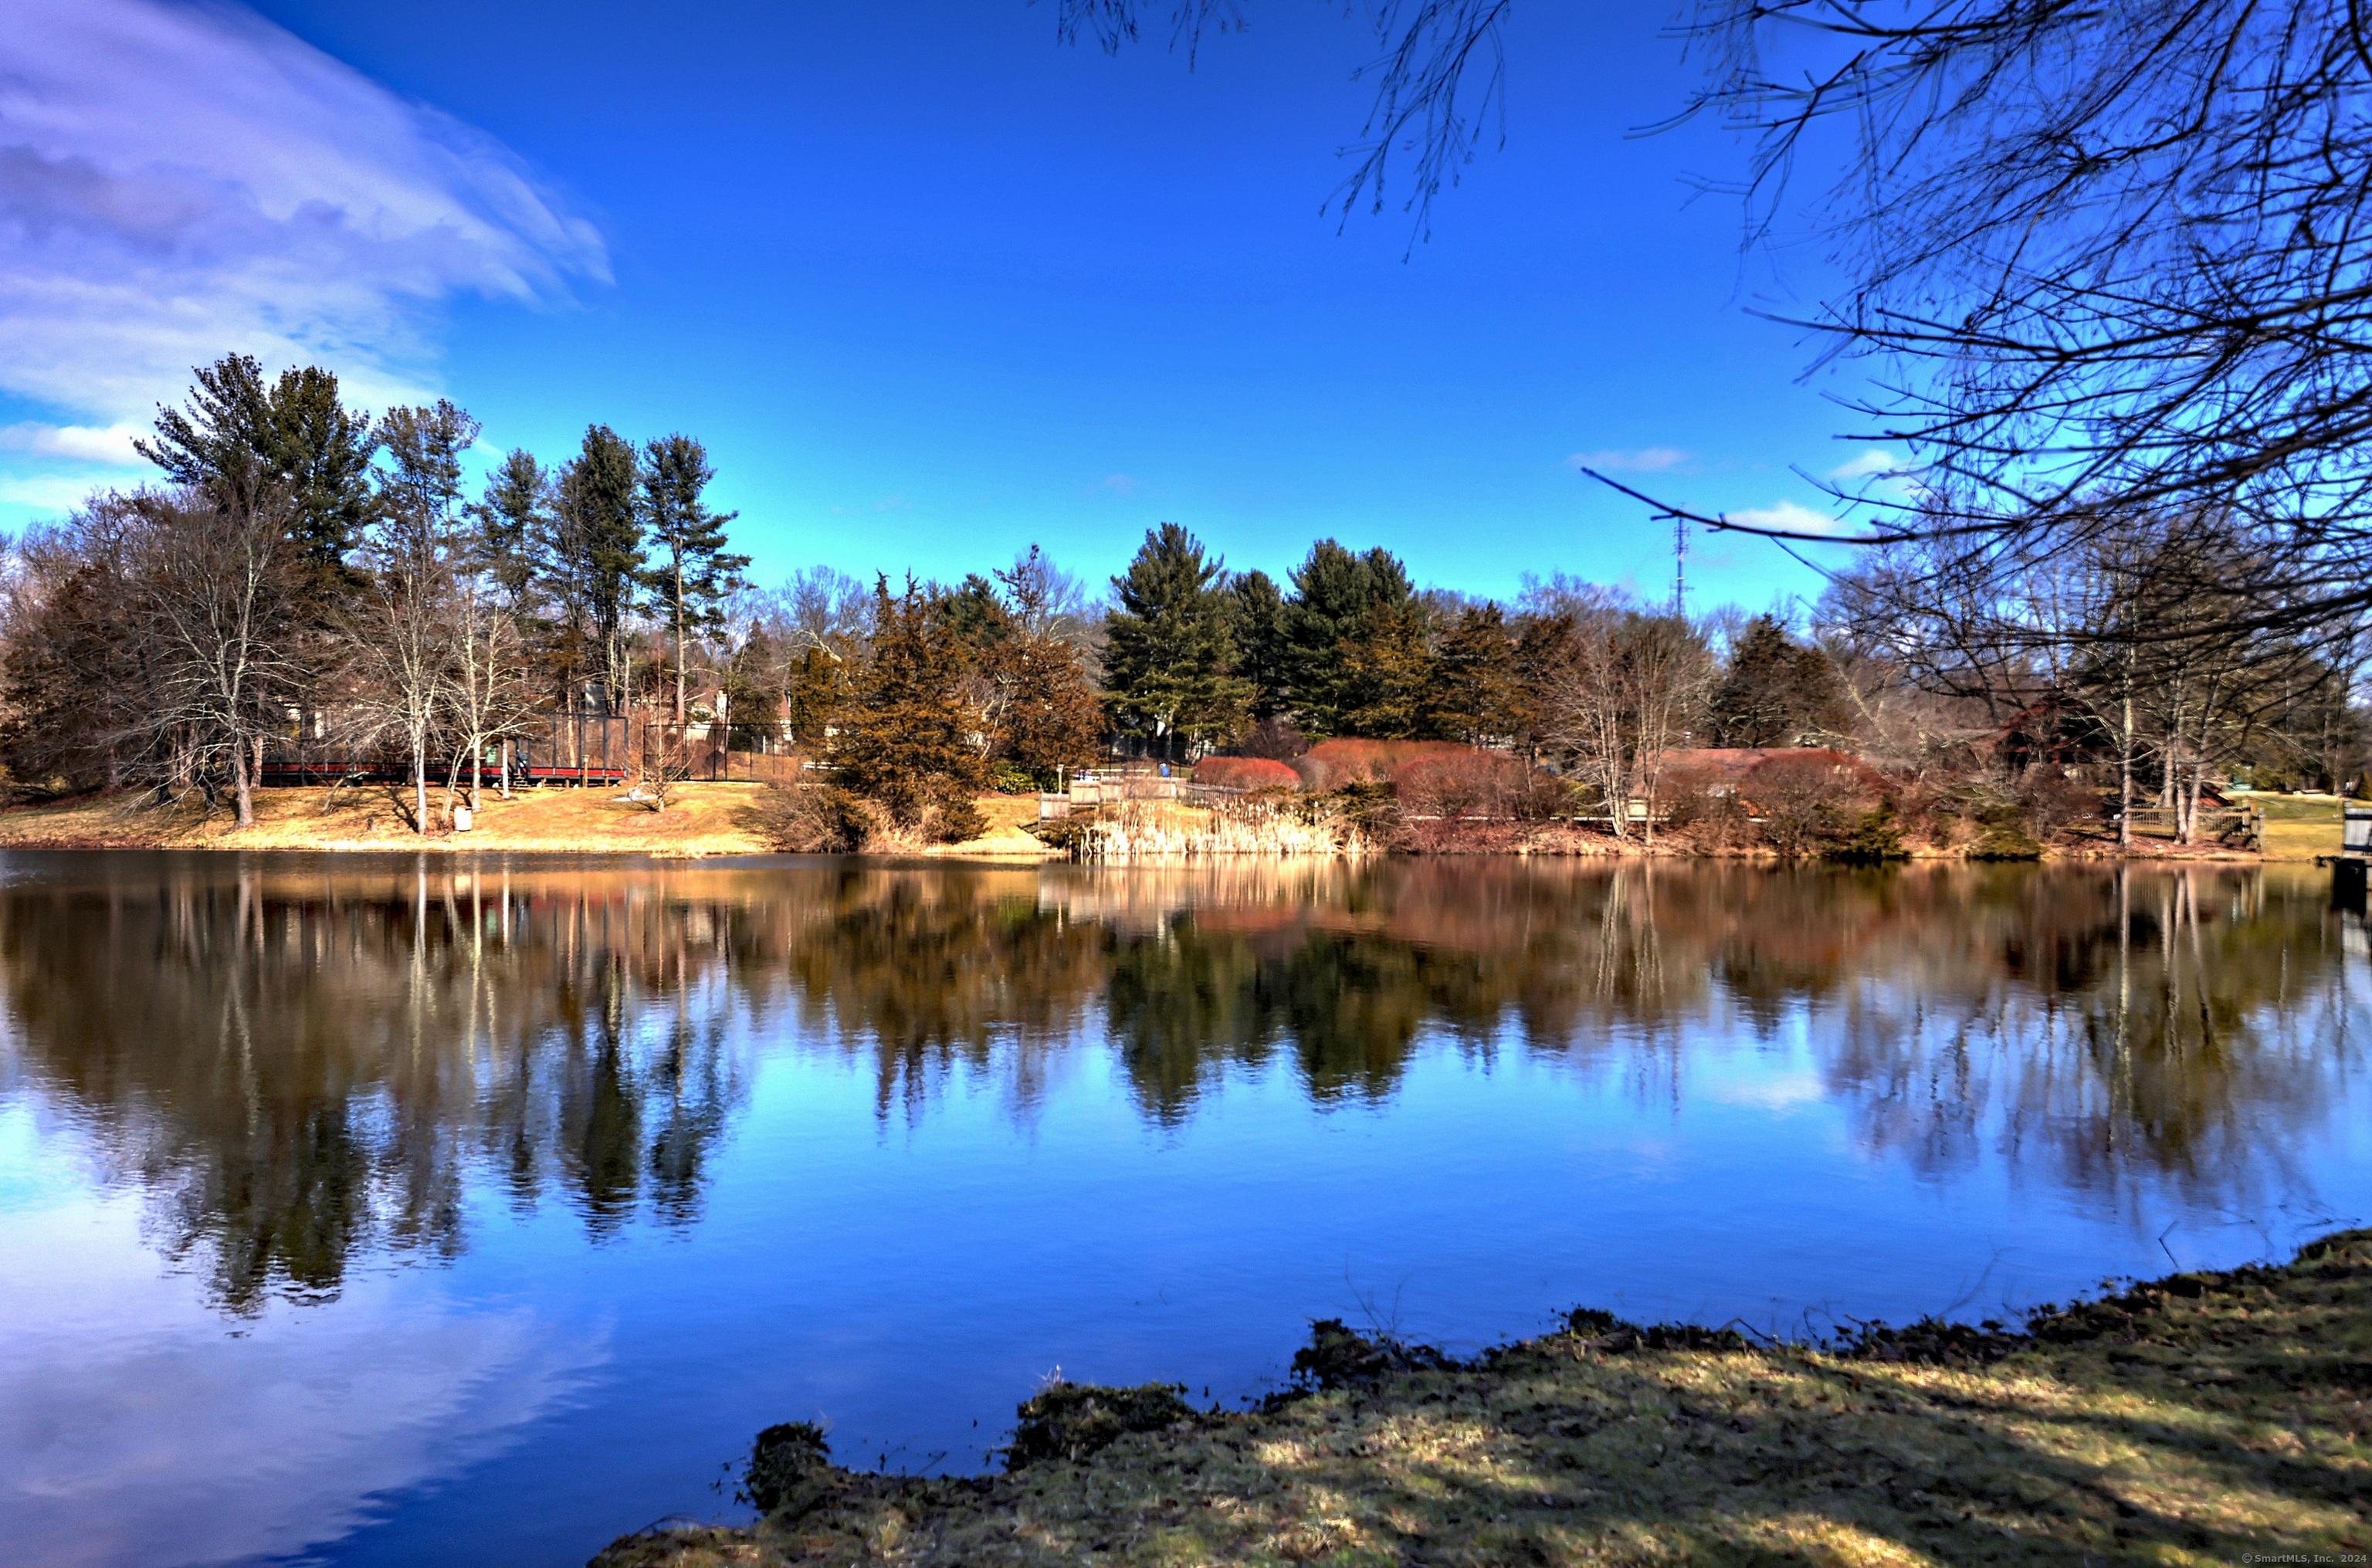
(2298, 827)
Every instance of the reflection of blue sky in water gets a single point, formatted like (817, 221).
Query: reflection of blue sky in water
(927, 1138)
(138, 1425)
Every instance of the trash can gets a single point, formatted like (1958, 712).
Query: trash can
(460, 819)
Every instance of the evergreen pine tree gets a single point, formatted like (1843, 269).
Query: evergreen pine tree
(1259, 631)
(904, 738)
(1338, 600)
(322, 452)
(597, 556)
(1474, 696)
(295, 434)
(1775, 691)
(514, 519)
(694, 571)
(1169, 651)
(1388, 676)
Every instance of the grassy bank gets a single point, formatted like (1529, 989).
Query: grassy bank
(2198, 1419)
(700, 820)
(2299, 827)
(718, 818)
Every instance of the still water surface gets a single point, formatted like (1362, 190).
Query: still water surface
(375, 1210)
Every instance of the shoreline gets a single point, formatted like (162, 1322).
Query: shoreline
(709, 820)
(2199, 1418)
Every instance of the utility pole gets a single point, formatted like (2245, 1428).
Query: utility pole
(1681, 568)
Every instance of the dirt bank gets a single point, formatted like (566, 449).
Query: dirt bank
(700, 820)
(716, 819)
(2200, 1419)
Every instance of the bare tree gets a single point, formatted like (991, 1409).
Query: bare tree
(216, 617)
(487, 693)
(402, 639)
(1626, 686)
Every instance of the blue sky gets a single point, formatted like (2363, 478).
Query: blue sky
(931, 285)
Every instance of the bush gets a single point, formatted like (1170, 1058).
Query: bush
(813, 818)
(1807, 797)
(1876, 838)
(1276, 739)
(1070, 1420)
(1330, 765)
(787, 1464)
(1245, 772)
(2048, 800)
(1008, 778)
(1467, 783)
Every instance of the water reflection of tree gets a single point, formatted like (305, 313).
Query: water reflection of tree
(2094, 1028)
(299, 1069)
(301, 1062)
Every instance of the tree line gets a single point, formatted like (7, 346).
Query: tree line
(302, 562)
(303, 565)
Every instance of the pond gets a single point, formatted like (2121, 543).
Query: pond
(382, 1210)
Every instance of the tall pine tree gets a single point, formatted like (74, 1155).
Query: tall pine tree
(1340, 603)
(1260, 641)
(694, 571)
(1776, 691)
(295, 435)
(597, 558)
(1169, 649)
(514, 520)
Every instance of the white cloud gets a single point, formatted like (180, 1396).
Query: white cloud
(1873, 463)
(133, 1429)
(177, 181)
(56, 493)
(1647, 460)
(1789, 517)
(1118, 484)
(77, 443)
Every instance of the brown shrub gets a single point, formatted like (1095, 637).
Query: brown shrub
(1468, 784)
(1277, 739)
(1811, 797)
(1245, 772)
(1703, 797)
(814, 818)
(1330, 765)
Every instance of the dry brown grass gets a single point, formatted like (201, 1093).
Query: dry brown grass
(2202, 1420)
(700, 820)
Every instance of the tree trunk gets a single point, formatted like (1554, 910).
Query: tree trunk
(245, 783)
(420, 785)
(2125, 779)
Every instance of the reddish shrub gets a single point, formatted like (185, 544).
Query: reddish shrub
(1330, 765)
(1808, 796)
(1463, 783)
(1245, 772)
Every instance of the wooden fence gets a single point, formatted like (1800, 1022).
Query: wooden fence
(592, 750)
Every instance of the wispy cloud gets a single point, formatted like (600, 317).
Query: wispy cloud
(179, 180)
(76, 443)
(1876, 462)
(1792, 516)
(1646, 460)
(53, 492)
(1118, 483)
